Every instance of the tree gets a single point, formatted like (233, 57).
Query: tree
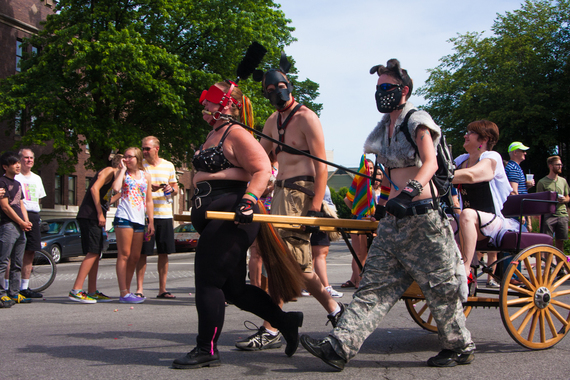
(517, 78)
(114, 71)
(342, 209)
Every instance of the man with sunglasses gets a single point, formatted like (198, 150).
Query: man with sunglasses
(414, 239)
(556, 224)
(163, 182)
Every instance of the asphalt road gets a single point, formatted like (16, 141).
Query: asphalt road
(56, 338)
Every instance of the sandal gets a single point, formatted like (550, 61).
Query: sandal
(348, 284)
(167, 295)
(140, 295)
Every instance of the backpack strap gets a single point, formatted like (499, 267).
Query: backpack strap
(404, 128)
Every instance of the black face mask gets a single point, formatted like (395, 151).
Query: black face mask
(388, 101)
(279, 97)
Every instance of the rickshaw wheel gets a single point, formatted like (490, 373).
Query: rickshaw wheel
(536, 314)
(421, 314)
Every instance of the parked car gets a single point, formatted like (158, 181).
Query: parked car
(111, 240)
(61, 238)
(185, 238)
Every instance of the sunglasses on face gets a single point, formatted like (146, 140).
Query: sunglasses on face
(388, 86)
(128, 157)
(146, 148)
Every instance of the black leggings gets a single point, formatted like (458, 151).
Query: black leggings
(220, 270)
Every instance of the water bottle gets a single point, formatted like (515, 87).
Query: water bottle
(167, 194)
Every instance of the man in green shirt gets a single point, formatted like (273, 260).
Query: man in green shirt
(556, 224)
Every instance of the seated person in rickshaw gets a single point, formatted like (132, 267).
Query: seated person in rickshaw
(483, 187)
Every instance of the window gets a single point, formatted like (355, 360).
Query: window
(19, 123)
(88, 183)
(58, 194)
(18, 54)
(71, 182)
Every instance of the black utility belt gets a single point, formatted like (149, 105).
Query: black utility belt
(420, 207)
(215, 188)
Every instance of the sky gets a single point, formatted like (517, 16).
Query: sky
(339, 41)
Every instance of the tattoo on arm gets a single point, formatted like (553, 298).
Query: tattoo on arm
(425, 132)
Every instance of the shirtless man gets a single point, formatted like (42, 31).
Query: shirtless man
(299, 189)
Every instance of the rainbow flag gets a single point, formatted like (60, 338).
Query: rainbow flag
(361, 193)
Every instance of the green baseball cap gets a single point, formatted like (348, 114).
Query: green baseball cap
(517, 145)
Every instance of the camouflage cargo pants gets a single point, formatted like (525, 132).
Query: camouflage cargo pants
(419, 248)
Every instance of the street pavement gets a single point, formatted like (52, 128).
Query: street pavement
(56, 338)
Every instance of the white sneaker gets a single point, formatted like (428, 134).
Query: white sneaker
(334, 293)
(305, 293)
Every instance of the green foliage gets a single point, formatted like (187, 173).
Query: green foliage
(114, 71)
(342, 209)
(517, 78)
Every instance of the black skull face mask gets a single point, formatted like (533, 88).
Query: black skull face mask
(388, 97)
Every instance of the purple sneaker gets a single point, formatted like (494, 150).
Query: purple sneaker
(131, 298)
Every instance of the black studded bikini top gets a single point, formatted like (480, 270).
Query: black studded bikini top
(212, 160)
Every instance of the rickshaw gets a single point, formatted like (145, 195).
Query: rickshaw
(534, 301)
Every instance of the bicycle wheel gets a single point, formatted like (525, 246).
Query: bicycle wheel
(43, 273)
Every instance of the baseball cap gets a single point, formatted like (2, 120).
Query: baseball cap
(517, 145)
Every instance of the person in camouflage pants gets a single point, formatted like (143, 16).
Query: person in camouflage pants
(414, 239)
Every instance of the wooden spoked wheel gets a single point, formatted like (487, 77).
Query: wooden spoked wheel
(420, 312)
(536, 314)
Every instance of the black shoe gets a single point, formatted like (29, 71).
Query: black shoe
(197, 358)
(448, 358)
(291, 332)
(28, 293)
(323, 350)
(333, 319)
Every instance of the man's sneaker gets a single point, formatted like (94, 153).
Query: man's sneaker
(305, 293)
(334, 293)
(6, 302)
(99, 297)
(333, 319)
(21, 299)
(261, 340)
(28, 293)
(323, 350)
(131, 298)
(492, 284)
(448, 358)
(81, 297)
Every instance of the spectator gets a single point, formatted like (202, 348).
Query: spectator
(14, 224)
(517, 179)
(163, 183)
(129, 223)
(92, 218)
(320, 243)
(33, 189)
(360, 198)
(556, 225)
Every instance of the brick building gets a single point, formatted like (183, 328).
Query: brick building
(20, 19)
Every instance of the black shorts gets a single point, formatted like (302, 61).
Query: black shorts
(91, 236)
(320, 238)
(163, 236)
(34, 236)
